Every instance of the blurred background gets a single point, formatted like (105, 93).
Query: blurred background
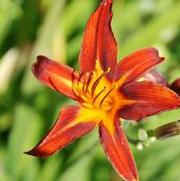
(28, 109)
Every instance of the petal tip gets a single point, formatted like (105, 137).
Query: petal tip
(29, 153)
(107, 1)
(37, 67)
(161, 59)
(98, 40)
(155, 51)
(37, 153)
(41, 58)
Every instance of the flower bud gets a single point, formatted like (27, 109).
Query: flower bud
(175, 86)
(167, 130)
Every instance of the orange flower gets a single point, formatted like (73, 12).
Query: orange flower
(105, 91)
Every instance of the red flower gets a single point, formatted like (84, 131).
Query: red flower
(105, 90)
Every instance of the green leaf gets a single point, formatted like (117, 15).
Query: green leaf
(24, 131)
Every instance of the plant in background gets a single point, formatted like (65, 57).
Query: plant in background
(105, 90)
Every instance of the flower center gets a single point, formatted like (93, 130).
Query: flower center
(94, 90)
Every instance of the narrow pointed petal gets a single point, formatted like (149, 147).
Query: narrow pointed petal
(65, 131)
(149, 98)
(118, 152)
(98, 40)
(55, 75)
(137, 64)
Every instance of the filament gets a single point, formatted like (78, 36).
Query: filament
(87, 83)
(95, 84)
(106, 95)
(99, 94)
(74, 90)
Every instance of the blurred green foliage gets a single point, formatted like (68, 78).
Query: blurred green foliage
(27, 109)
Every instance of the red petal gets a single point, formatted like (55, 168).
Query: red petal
(117, 150)
(65, 131)
(55, 75)
(136, 64)
(149, 99)
(98, 41)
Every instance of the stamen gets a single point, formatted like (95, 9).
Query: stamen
(73, 84)
(106, 95)
(87, 83)
(84, 84)
(80, 79)
(95, 84)
(99, 94)
(80, 76)
(74, 90)
(87, 105)
(73, 77)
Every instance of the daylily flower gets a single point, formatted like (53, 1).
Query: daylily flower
(105, 91)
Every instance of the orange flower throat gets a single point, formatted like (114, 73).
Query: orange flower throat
(94, 90)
